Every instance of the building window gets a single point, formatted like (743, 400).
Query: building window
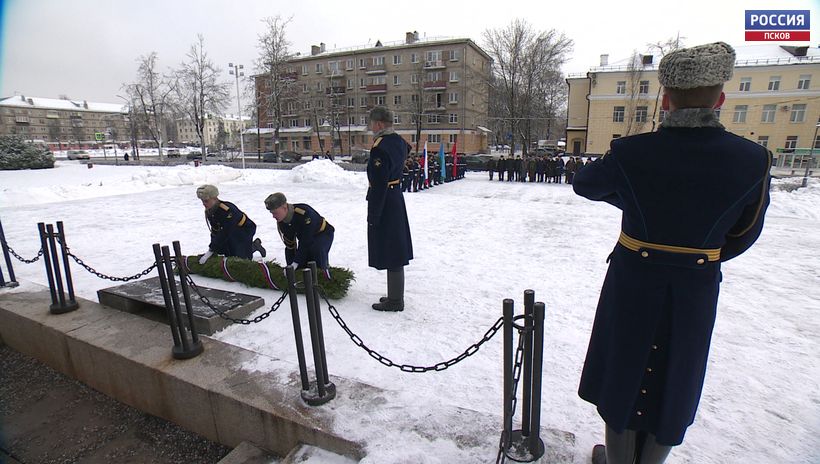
(396, 118)
(768, 113)
(414, 98)
(396, 59)
(378, 60)
(351, 102)
(618, 114)
(304, 69)
(432, 119)
(307, 105)
(620, 87)
(804, 82)
(745, 84)
(319, 86)
(320, 104)
(763, 140)
(294, 123)
(396, 80)
(413, 138)
(362, 83)
(397, 99)
(320, 67)
(414, 78)
(774, 83)
(377, 80)
(643, 88)
(307, 122)
(434, 76)
(455, 55)
(363, 102)
(453, 97)
(349, 64)
(453, 138)
(334, 66)
(798, 113)
(453, 118)
(663, 115)
(304, 88)
(434, 57)
(740, 114)
(379, 100)
(414, 58)
(351, 120)
(363, 122)
(434, 138)
(640, 113)
(453, 76)
(350, 83)
(791, 141)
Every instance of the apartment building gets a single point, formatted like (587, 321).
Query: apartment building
(230, 124)
(63, 123)
(441, 84)
(773, 99)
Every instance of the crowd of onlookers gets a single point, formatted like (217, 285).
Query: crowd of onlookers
(536, 168)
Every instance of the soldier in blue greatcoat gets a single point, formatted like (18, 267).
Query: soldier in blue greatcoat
(389, 245)
(306, 234)
(692, 195)
(231, 230)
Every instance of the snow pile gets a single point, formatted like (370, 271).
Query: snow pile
(791, 200)
(325, 172)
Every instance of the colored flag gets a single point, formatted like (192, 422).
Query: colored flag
(441, 160)
(455, 159)
(425, 162)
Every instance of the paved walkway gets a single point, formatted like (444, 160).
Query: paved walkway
(45, 417)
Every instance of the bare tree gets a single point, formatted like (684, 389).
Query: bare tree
(415, 105)
(199, 90)
(151, 94)
(662, 48)
(523, 61)
(275, 81)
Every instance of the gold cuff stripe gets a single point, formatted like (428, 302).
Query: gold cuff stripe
(324, 224)
(242, 221)
(712, 254)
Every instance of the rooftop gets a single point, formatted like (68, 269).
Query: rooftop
(21, 101)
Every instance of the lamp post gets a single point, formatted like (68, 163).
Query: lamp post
(811, 154)
(237, 72)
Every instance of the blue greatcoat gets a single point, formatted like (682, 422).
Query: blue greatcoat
(685, 192)
(307, 237)
(231, 230)
(389, 245)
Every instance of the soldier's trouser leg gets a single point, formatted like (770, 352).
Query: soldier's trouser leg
(624, 448)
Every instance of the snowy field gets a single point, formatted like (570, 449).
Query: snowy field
(476, 243)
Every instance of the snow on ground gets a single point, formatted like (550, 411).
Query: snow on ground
(476, 243)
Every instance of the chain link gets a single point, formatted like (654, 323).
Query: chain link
(471, 350)
(222, 314)
(20, 258)
(107, 277)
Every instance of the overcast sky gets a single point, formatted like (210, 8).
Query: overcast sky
(87, 49)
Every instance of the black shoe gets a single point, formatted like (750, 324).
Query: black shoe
(257, 246)
(389, 305)
(599, 454)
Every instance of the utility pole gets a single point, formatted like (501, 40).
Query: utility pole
(811, 154)
(237, 72)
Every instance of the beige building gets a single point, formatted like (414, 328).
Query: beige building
(63, 123)
(443, 84)
(772, 99)
(231, 124)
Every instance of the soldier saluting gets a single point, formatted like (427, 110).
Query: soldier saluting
(693, 195)
(389, 245)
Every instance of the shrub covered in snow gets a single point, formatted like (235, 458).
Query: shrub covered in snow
(16, 153)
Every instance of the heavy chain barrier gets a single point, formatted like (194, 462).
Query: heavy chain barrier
(471, 350)
(20, 258)
(519, 357)
(222, 314)
(99, 274)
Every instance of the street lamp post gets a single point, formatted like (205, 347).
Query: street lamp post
(811, 154)
(237, 72)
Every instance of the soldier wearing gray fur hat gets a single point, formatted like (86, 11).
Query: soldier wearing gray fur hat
(692, 196)
(232, 230)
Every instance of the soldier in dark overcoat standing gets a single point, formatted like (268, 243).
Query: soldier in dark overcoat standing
(389, 245)
(692, 195)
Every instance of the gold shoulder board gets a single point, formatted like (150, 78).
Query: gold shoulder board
(376, 142)
(224, 206)
(299, 211)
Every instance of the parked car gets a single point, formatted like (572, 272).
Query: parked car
(476, 162)
(194, 155)
(360, 156)
(78, 155)
(284, 157)
(173, 153)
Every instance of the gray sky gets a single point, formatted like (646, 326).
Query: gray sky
(87, 49)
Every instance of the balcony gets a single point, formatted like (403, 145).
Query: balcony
(434, 108)
(377, 88)
(337, 90)
(376, 69)
(436, 64)
(22, 119)
(335, 73)
(288, 76)
(435, 85)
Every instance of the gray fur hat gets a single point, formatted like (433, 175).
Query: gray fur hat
(701, 66)
(207, 191)
(275, 200)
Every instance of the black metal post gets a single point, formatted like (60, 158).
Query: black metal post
(55, 266)
(324, 391)
(63, 248)
(166, 294)
(508, 371)
(297, 327)
(49, 273)
(12, 280)
(188, 350)
(536, 445)
(186, 293)
(319, 331)
(526, 400)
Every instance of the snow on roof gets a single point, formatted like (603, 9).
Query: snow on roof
(63, 104)
(747, 55)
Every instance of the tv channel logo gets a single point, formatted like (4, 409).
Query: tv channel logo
(778, 25)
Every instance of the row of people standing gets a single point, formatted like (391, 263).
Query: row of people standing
(413, 179)
(536, 168)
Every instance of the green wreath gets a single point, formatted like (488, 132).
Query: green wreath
(267, 274)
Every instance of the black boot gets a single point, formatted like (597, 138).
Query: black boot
(598, 454)
(395, 292)
(257, 246)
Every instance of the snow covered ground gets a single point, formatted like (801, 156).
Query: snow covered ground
(476, 243)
